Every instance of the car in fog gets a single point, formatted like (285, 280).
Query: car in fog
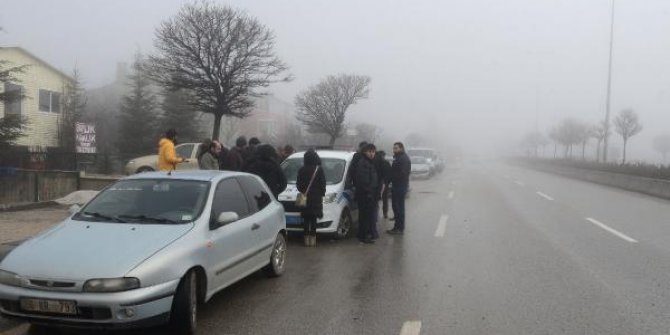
(150, 162)
(338, 206)
(145, 251)
(420, 167)
(433, 159)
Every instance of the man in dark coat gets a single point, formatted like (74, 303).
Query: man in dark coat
(400, 171)
(267, 167)
(351, 175)
(234, 160)
(384, 172)
(311, 172)
(367, 187)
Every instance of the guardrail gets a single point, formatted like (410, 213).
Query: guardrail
(650, 186)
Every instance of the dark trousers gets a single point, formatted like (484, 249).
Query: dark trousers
(309, 224)
(366, 216)
(398, 204)
(385, 200)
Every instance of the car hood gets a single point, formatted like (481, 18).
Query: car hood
(79, 250)
(291, 191)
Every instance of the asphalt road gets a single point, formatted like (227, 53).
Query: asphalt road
(487, 250)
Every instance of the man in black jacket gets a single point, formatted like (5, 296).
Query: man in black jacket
(400, 181)
(366, 183)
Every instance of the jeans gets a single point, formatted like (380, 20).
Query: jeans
(398, 205)
(366, 217)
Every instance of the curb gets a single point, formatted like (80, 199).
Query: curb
(27, 206)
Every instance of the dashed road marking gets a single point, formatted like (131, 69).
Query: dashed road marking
(544, 196)
(612, 230)
(451, 194)
(411, 328)
(519, 182)
(441, 226)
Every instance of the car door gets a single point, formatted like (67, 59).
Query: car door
(187, 150)
(230, 246)
(260, 200)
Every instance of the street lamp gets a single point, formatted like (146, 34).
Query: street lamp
(609, 89)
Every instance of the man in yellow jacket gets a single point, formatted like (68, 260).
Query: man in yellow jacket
(167, 156)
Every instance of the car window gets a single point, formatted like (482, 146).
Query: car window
(229, 198)
(184, 150)
(257, 196)
(333, 168)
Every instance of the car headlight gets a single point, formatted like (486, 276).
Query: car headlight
(111, 285)
(329, 198)
(9, 278)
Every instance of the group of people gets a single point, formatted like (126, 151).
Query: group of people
(370, 175)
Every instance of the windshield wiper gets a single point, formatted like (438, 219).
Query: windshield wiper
(147, 218)
(99, 215)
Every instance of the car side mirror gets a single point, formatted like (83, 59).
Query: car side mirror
(74, 209)
(224, 219)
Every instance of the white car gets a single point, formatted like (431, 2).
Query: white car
(150, 162)
(338, 206)
(420, 167)
(429, 154)
(145, 251)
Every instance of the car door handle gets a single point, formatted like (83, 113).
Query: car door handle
(255, 226)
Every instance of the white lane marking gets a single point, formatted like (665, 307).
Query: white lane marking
(442, 226)
(519, 182)
(451, 194)
(544, 196)
(20, 329)
(612, 230)
(411, 328)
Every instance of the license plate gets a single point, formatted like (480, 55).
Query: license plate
(293, 220)
(49, 306)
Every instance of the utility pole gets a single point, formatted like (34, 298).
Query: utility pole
(609, 90)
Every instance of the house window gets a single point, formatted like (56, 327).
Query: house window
(13, 107)
(49, 101)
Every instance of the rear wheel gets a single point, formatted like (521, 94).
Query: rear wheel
(344, 225)
(184, 312)
(145, 169)
(277, 263)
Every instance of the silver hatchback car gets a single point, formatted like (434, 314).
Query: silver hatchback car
(145, 251)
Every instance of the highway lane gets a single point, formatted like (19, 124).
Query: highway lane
(483, 253)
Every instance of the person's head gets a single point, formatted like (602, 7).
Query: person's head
(381, 155)
(241, 142)
(254, 141)
(398, 148)
(288, 150)
(311, 158)
(369, 151)
(215, 148)
(171, 134)
(266, 151)
(361, 146)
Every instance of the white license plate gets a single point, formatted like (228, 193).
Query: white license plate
(49, 306)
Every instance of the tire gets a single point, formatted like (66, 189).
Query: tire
(145, 169)
(184, 313)
(277, 264)
(344, 225)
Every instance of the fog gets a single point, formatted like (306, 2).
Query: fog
(478, 74)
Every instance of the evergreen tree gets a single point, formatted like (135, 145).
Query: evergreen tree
(138, 133)
(73, 110)
(179, 114)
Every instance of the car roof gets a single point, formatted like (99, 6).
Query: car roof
(202, 175)
(346, 155)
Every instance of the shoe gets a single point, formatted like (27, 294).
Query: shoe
(312, 241)
(369, 241)
(392, 219)
(307, 240)
(392, 231)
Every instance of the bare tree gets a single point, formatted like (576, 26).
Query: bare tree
(219, 55)
(569, 132)
(229, 127)
(533, 141)
(627, 125)
(323, 107)
(74, 103)
(367, 132)
(662, 145)
(599, 132)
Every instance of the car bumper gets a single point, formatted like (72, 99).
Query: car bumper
(143, 307)
(326, 225)
(420, 175)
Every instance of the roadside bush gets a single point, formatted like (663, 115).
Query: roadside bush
(635, 169)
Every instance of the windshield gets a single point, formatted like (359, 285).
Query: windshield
(148, 201)
(421, 152)
(333, 168)
(418, 160)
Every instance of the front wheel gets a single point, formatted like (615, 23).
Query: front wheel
(184, 311)
(277, 264)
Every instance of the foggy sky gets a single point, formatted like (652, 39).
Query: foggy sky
(478, 72)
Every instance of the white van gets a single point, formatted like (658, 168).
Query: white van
(338, 206)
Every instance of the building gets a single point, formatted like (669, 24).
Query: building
(43, 86)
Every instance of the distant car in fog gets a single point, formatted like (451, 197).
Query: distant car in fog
(150, 162)
(420, 167)
(433, 159)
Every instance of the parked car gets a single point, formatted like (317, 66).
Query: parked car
(432, 158)
(420, 167)
(338, 206)
(150, 162)
(146, 250)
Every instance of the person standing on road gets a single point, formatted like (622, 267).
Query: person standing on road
(234, 160)
(167, 155)
(367, 187)
(267, 167)
(209, 159)
(400, 171)
(311, 181)
(384, 170)
(351, 175)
